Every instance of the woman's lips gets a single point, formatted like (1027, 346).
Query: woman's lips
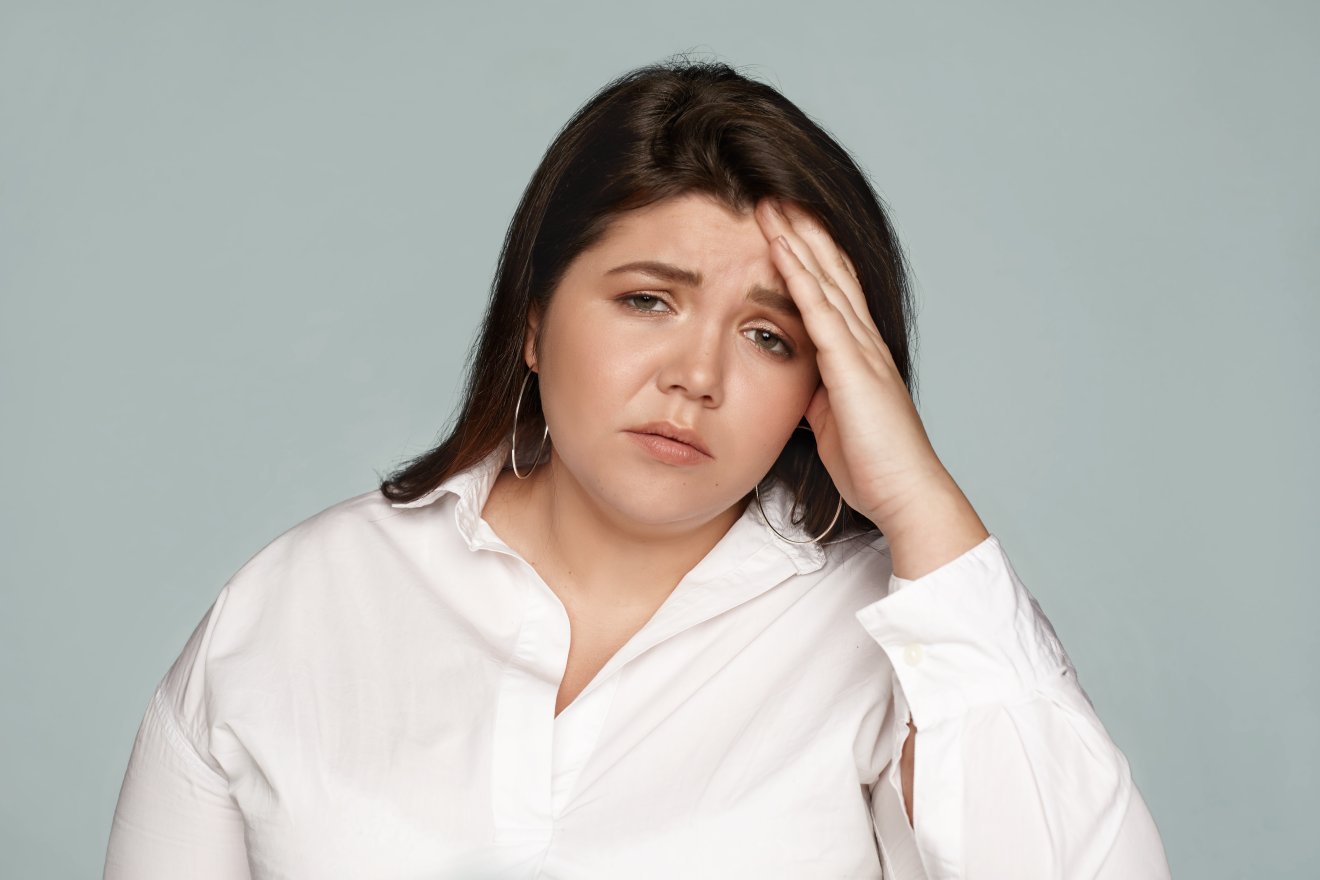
(666, 450)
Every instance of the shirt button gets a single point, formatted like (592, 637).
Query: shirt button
(912, 654)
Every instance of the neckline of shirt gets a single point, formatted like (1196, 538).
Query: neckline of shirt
(473, 485)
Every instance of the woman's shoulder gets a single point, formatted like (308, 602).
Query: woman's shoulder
(365, 516)
(322, 589)
(349, 541)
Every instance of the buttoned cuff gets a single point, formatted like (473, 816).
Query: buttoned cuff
(967, 634)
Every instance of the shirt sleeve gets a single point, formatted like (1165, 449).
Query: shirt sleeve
(175, 817)
(1014, 773)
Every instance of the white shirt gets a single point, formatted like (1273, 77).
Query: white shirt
(372, 696)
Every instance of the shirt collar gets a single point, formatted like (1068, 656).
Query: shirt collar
(472, 487)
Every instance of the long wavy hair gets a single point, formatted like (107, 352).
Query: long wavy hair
(667, 129)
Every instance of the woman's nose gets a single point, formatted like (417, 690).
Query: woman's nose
(694, 367)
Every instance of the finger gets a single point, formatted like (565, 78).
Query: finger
(781, 224)
(825, 323)
(778, 224)
(829, 253)
(856, 311)
(830, 256)
(852, 270)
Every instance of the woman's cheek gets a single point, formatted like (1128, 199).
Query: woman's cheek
(626, 349)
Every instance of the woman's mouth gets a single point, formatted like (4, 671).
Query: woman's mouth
(666, 449)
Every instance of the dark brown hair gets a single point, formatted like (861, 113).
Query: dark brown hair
(663, 130)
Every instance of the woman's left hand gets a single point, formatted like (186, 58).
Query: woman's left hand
(868, 433)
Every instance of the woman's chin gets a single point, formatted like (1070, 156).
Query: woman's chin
(673, 507)
(649, 494)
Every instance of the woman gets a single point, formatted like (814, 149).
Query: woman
(686, 591)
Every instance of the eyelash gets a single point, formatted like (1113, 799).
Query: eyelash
(785, 354)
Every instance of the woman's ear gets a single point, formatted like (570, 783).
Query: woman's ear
(529, 339)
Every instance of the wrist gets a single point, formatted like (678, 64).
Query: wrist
(934, 527)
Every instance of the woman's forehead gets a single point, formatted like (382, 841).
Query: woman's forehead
(679, 214)
(693, 231)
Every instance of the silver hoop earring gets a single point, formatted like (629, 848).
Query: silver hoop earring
(513, 451)
(837, 511)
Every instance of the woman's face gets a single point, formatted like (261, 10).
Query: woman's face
(623, 347)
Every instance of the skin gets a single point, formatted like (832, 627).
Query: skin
(612, 530)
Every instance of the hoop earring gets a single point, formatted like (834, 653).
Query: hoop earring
(513, 451)
(837, 511)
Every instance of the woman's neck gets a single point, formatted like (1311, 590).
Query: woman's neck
(589, 552)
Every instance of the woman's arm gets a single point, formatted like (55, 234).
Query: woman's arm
(175, 817)
(1014, 775)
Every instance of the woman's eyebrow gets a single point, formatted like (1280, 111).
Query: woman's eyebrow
(763, 296)
(663, 271)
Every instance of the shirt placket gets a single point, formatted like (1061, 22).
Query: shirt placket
(537, 758)
(523, 752)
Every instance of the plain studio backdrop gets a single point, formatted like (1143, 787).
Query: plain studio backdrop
(244, 247)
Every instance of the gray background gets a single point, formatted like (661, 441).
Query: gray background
(243, 248)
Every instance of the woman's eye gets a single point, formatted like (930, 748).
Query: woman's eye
(646, 301)
(767, 340)
(771, 341)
